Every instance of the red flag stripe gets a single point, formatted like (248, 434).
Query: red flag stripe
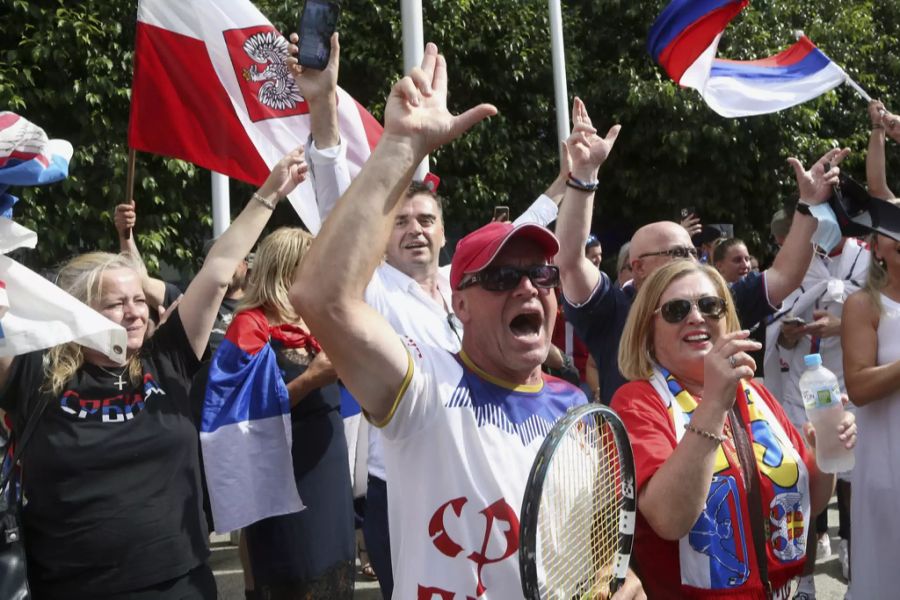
(180, 109)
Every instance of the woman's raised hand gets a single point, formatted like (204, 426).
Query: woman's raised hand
(726, 364)
(287, 174)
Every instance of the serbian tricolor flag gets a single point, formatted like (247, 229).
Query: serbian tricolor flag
(28, 157)
(34, 313)
(685, 38)
(211, 87)
(245, 428)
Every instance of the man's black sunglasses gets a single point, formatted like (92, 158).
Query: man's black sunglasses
(675, 311)
(501, 279)
(676, 252)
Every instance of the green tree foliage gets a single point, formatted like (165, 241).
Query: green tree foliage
(674, 151)
(67, 67)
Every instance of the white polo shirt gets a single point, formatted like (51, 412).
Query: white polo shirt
(409, 310)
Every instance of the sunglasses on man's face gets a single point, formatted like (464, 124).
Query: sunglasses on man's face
(675, 311)
(676, 252)
(502, 279)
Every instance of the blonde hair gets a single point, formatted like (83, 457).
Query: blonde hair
(82, 277)
(277, 257)
(636, 353)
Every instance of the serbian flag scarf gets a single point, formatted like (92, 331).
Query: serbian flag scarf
(245, 429)
(211, 87)
(684, 40)
(717, 556)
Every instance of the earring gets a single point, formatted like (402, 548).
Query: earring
(881, 263)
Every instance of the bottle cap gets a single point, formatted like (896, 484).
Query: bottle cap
(813, 360)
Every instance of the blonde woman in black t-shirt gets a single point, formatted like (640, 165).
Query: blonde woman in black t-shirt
(111, 473)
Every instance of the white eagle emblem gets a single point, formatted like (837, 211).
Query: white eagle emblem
(279, 90)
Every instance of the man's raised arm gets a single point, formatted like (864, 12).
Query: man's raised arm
(328, 290)
(587, 152)
(792, 261)
(326, 152)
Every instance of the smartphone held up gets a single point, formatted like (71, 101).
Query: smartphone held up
(317, 24)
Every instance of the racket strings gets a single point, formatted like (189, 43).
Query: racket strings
(578, 519)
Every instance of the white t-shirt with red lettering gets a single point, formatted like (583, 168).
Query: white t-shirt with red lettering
(458, 450)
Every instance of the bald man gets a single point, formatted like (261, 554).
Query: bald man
(598, 309)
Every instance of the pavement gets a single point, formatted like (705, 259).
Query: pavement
(830, 585)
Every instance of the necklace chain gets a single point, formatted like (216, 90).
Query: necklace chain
(121, 383)
(105, 370)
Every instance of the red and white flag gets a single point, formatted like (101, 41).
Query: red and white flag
(211, 87)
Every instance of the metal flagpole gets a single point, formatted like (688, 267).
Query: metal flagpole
(221, 204)
(862, 93)
(561, 97)
(413, 51)
(560, 91)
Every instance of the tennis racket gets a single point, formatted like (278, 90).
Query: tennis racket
(578, 514)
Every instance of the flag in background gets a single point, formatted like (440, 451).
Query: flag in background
(684, 40)
(211, 87)
(35, 313)
(28, 157)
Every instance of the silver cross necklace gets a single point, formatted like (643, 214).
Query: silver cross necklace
(121, 383)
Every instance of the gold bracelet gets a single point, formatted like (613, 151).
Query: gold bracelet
(270, 204)
(707, 434)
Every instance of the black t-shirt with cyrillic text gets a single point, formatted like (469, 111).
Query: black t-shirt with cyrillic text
(112, 477)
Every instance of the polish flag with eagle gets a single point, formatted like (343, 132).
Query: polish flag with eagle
(211, 87)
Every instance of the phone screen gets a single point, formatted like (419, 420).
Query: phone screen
(501, 213)
(317, 23)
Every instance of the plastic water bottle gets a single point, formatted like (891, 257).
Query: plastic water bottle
(822, 399)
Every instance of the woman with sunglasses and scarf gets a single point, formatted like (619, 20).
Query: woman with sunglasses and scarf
(723, 478)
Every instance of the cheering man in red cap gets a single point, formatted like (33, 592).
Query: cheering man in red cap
(461, 431)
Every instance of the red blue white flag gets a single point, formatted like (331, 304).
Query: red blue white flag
(684, 40)
(34, 313)
(28, 157)
(211, 87)
(245, 428)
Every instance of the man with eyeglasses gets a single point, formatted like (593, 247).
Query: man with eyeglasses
(598, 309)
(461, 430)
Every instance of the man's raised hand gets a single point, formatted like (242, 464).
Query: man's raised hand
(416, 110)
(587, 150)
(313, 83)
(816, 184)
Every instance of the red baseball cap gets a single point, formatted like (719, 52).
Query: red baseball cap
(478, 249)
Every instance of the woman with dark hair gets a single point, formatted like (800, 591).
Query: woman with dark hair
(732, 259)
(111, 474)
(725, 484)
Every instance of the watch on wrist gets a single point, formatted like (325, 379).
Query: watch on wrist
(803, 208)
